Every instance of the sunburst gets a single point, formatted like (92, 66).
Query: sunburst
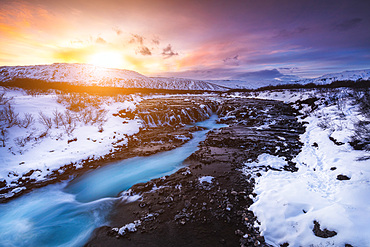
(107, 59)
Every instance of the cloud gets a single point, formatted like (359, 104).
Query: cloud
(288, 69)
(262, 75)
(155, 41)
(76, 42)
(168, 52)
(285, 33)
(347, 24)
(101, 41)
(143, 50)
(117, 30)
(233, 61)
(137, 39)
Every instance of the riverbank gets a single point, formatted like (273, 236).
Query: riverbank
(155, 131)
(207, 203)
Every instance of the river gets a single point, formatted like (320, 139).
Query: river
(65, 214)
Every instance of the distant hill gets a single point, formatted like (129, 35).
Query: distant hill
(90, 75)
(352, 75)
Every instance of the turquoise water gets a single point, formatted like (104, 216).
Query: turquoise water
(65, 214)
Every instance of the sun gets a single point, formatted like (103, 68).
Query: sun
(107, 59)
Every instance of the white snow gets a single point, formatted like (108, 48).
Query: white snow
(57, 147)
(254, 83)
(272, 161)
(287, 203)
(286, 96)
(352, 75)
(130, 227)
(91, 75)
(207, 179)
(87, 74)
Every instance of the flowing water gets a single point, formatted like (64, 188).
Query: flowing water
(65, 214)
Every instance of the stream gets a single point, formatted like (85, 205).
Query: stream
(65, 214)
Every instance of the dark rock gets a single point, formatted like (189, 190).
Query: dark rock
(2, 183)
(325, 233)
(343, 177)
(142, 187)
(335, 141)
(72, 140)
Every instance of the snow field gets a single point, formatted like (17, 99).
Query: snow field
(48, 149)
(287, 203)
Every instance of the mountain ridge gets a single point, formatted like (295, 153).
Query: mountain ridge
(348, 75)
(91, 75)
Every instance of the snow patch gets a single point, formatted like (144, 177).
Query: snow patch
(207, 179)
(130, 227)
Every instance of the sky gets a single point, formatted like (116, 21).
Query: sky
(199, 39)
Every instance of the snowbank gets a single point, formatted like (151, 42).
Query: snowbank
(39, 149)
(287, 204)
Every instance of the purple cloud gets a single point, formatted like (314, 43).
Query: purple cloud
(168, 52)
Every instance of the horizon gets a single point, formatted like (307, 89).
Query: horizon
(208, 40)
(174, 77)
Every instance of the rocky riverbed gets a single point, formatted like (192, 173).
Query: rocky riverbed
(206, 203)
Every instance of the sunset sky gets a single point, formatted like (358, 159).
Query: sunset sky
(212, 39)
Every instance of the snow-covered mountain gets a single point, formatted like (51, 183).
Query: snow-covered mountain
(91, 75)
(352, 75)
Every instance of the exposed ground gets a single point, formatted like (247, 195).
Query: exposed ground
(206, 204)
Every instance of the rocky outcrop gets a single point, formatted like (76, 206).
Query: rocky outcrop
(172, 111)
